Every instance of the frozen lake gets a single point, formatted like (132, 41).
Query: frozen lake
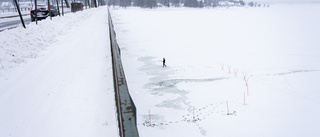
(230, 72)
(209, 53)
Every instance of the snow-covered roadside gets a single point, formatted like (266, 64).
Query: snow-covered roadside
(20, 44)
(55, 78)
(25, 17)
(276, 49)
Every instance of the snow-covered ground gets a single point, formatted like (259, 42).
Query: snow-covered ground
(262, 62)
(55, 78)
(276, 49)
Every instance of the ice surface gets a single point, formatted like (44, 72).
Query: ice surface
(262, 61)
(56, 80)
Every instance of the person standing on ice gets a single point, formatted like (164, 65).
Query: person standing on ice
(164, 62)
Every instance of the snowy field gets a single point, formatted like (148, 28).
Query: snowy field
(265, 58)
(230, 72)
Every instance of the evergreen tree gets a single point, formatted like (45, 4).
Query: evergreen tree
(176, 3)
(191, 3)
(139, 3)
(112, 2)
(166, 3)
(215, 3)
(251, 4)
(200, 4)
(125, 3)
(151, 4)
(242, 3)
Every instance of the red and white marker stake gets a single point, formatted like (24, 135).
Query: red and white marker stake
(227, 108)
(244, 98)
(235, 72)
(222, 65)
(193, 114)
(149, 117)
(247, 90)
(247, 86)
(244, 76)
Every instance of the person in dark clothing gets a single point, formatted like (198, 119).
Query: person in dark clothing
(164, 62)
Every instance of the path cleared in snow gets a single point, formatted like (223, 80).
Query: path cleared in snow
(66, 90)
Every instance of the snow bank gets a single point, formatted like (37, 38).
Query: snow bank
(56, 78)
(18, 45)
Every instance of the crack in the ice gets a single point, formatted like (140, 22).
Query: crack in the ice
(293, 71)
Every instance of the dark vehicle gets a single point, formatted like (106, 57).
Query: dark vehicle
(42, 12)
(76, 6)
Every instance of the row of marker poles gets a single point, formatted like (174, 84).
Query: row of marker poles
(245, 78)
(235, 74)
(244, 94)
(229, 69)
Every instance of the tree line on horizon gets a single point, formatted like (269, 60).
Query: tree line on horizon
(176, 3)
